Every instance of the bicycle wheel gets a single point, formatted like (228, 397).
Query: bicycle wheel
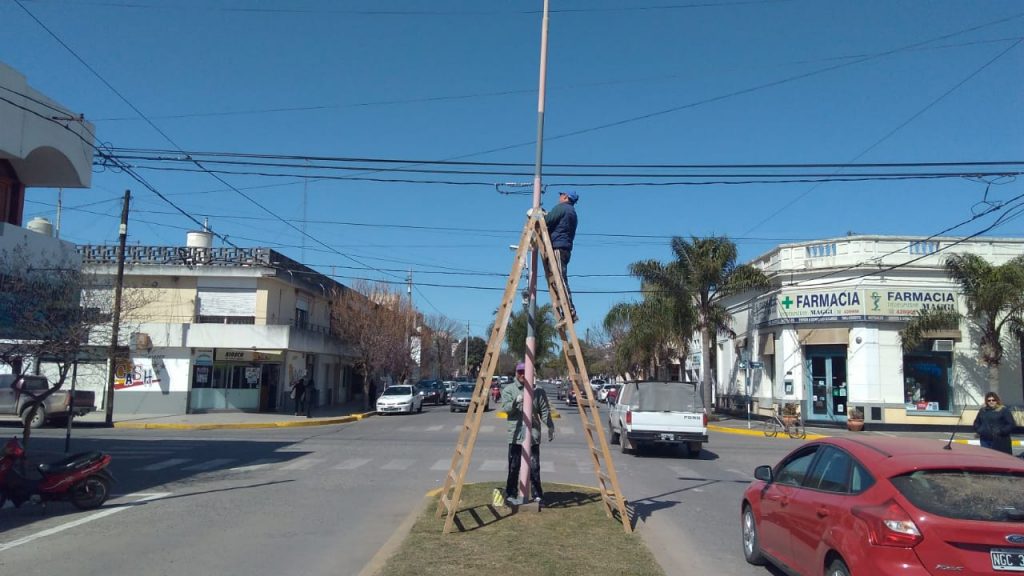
(771, 427)
(797, 430)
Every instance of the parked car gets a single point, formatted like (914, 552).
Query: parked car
(462, 395)
(16, 399)
(400, 398)
(883, 505)
(449, 387)
(432, 391)
(596, 383)
(666, 413)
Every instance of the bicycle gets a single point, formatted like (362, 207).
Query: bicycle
(774, 424)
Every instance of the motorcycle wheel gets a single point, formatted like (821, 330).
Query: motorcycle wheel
(90, 493)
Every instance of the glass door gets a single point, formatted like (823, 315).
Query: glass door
(827, 390)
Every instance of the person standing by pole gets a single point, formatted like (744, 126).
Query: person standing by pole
(512, 398)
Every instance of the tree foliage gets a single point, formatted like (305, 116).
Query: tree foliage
(994, 297)
(373, 322)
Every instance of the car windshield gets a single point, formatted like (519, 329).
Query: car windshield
(397, 391)
(966, 494)
(464, 388)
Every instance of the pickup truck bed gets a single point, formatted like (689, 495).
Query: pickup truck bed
(15, 402)
(650, 413)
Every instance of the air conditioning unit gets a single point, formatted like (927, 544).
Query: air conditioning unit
(942, 346)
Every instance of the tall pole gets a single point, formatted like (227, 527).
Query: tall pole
(531, 318)
(115, 319)
(465, 367)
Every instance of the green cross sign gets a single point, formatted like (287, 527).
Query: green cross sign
(787, 302)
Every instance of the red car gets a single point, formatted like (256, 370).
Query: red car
(882, 506)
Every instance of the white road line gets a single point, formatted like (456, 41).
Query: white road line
(302, 464)
(409, 429)
(684, 472)
(256, 465)
(486, 429)
(209, 464)
(565, 431)
(738, 473)
(165, 464)
(352, 464)
(437, 428)
(443, 464)
(548, 467)
(67, 525)
(494, 466)
(399, 464)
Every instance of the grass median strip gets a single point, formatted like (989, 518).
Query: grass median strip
(571, 535)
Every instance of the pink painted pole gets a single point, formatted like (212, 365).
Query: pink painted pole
(531, 338)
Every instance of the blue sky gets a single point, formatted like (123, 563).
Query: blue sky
(637, 82)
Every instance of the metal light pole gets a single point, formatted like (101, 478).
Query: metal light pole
(531, 338)
(465, 367)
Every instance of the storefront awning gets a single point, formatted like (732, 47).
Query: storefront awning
(824, 336)
(767, 343)
(942, 335)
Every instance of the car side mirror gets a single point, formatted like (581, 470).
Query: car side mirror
(18, 384)
(763, 473)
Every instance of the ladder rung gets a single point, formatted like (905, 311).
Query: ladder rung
(446, 502)
(604, 478)
(453, 476)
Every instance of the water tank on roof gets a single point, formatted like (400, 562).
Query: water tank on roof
(40, 225)
(199, 239)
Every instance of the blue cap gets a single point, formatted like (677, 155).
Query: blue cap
(572, 196)
(520, 367)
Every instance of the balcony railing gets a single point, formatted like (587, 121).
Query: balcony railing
(186, 256)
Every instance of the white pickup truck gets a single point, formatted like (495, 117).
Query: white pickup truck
(649, 413)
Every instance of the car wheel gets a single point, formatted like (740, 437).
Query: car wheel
(751, 542)
(38, 419)
(419, 408)
(451, 408)
(837, 568)
(613, 436)
(693, 450)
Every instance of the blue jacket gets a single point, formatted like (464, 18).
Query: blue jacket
(561, 223)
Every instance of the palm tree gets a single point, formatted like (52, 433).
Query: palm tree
(708, 273)
(646, 332)
(544, 331)
(994, 296)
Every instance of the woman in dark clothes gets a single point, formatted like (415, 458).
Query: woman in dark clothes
(994, 424)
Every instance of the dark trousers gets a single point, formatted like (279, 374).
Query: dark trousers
(299, 403)
(563, 257)
(515, 458)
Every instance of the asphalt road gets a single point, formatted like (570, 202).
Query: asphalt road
(323, 500)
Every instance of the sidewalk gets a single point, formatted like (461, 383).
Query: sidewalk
(321, 416)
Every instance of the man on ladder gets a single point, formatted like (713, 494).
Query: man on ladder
(561, 222)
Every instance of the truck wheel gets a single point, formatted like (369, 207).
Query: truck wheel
(693, 450)
(38, 419)
(613, 436)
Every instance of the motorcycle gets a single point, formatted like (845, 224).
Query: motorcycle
(82, 479)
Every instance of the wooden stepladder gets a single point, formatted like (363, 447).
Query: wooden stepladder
(535, 235)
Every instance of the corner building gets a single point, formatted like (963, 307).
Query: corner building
(826, 336)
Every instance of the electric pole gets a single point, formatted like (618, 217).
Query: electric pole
(115, 318)
(465, 368)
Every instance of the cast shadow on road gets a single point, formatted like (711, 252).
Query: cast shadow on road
(674, 452)
(643, 508)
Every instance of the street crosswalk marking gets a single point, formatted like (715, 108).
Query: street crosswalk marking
(302, 464)
(487, 429)
(546, 466)
(442, 464)
(493, 466)
(398, 464)
(164, 464)
(685, 472)
(437, 428)
(409, 429)
(255, 465)
(352, 463)
(208, 465)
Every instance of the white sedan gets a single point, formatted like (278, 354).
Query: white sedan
(400, 398)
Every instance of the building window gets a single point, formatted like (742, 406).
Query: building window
(205, 319)
(923, 247)
(12, 195)
(821, 250)
(926, 380)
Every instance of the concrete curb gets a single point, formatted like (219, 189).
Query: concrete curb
(752, 432)
(393, 543)
(242, 425)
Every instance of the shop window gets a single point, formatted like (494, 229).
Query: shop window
(926, 382)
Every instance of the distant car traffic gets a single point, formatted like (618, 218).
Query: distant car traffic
(461, 396)
(432, 392)
(399, 398)
(883, 505)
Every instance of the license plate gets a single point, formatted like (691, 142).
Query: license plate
(1007, 560)
(668, 437)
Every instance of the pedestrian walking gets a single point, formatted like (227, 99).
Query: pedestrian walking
(994, 424)
(298, 394)
(512, 404)
(561, 223)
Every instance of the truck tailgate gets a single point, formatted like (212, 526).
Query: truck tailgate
(668, 421)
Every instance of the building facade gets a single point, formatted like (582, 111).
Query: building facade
(212, 329)
(826, 337)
